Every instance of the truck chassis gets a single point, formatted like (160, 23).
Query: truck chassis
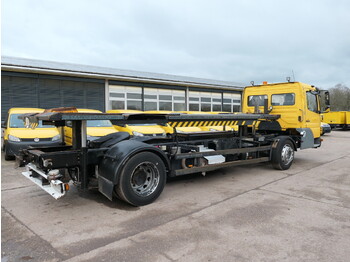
(135, 169)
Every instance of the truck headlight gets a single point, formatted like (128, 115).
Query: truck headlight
(56, 137)
(135, 133)
(14, 138)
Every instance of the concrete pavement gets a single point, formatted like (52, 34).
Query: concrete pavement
(248, 213)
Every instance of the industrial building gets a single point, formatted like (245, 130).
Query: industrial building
(46, 84)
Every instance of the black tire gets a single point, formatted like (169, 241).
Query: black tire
(142, 179)
(283, 154)
(7, 156)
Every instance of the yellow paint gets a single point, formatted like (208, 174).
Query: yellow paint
(336, 117)
(144, 129)
(292, 116)
(94, 130)
(18, 130)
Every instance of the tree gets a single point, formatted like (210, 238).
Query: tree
(340, 98)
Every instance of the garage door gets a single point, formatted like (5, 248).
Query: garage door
(44, 91)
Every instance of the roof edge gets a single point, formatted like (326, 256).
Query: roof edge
(49, 67)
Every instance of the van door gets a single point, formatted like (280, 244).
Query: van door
(312, 116)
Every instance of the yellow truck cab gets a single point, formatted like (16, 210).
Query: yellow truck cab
(95, 128)
(17, 136)
(298, 105)
(138, 129)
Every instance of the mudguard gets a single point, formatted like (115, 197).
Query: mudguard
(114, 160)
(307, 138)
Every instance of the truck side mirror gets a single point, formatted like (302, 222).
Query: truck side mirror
(3, 125)
(325, 100)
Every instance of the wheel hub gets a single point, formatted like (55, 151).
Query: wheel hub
(145, 179)
(287, 154)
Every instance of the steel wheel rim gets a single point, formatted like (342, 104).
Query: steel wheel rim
(144, 179)
(287, 154)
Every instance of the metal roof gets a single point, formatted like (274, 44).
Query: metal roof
(49, 67)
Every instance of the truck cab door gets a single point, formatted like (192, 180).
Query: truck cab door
(312, 114)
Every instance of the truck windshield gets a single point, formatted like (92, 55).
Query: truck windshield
(15, 122)
(258, 99)
(98, 123)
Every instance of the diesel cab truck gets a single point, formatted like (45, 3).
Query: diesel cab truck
(276, 121)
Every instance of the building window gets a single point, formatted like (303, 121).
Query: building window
(179, 100)
(194, 98)
(125, 97)
(205, 101)
(216, 102)
(154, 99)
(231, 102)
(164, 99)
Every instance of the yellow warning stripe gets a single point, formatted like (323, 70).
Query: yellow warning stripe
(213, 123)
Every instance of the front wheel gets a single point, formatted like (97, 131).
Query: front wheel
(283, 154)
(142, 179)
(6, 155)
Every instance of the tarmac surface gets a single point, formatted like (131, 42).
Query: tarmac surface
(248, 213)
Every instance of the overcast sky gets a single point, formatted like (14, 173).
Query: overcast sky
(237, 40)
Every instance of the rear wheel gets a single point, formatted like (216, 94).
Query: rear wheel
(283, 154)
(142, 179)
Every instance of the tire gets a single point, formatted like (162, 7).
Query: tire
(142, 179)
(283, 154)
(7, 156)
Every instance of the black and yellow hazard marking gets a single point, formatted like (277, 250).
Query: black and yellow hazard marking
(219, 120)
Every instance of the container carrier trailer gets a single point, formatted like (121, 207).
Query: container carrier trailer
(277, 120)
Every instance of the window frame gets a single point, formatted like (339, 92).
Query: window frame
(316, 100)
(294, 95)
(248, 100)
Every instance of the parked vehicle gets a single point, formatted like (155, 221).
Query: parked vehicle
(149, 129)
(337, 119)
(325, 128)
(95, 128)
(17, 137)
(279, 119)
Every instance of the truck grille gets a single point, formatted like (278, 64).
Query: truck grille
(32, 139)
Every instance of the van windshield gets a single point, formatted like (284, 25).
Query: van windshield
(150, 124)
(99, 123)
(15, 122)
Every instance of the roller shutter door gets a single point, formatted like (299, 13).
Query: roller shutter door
(18, 92)
(48, 92)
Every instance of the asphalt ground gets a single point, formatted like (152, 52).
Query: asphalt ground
(248, 213)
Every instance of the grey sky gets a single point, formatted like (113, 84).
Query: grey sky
(237, 40)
